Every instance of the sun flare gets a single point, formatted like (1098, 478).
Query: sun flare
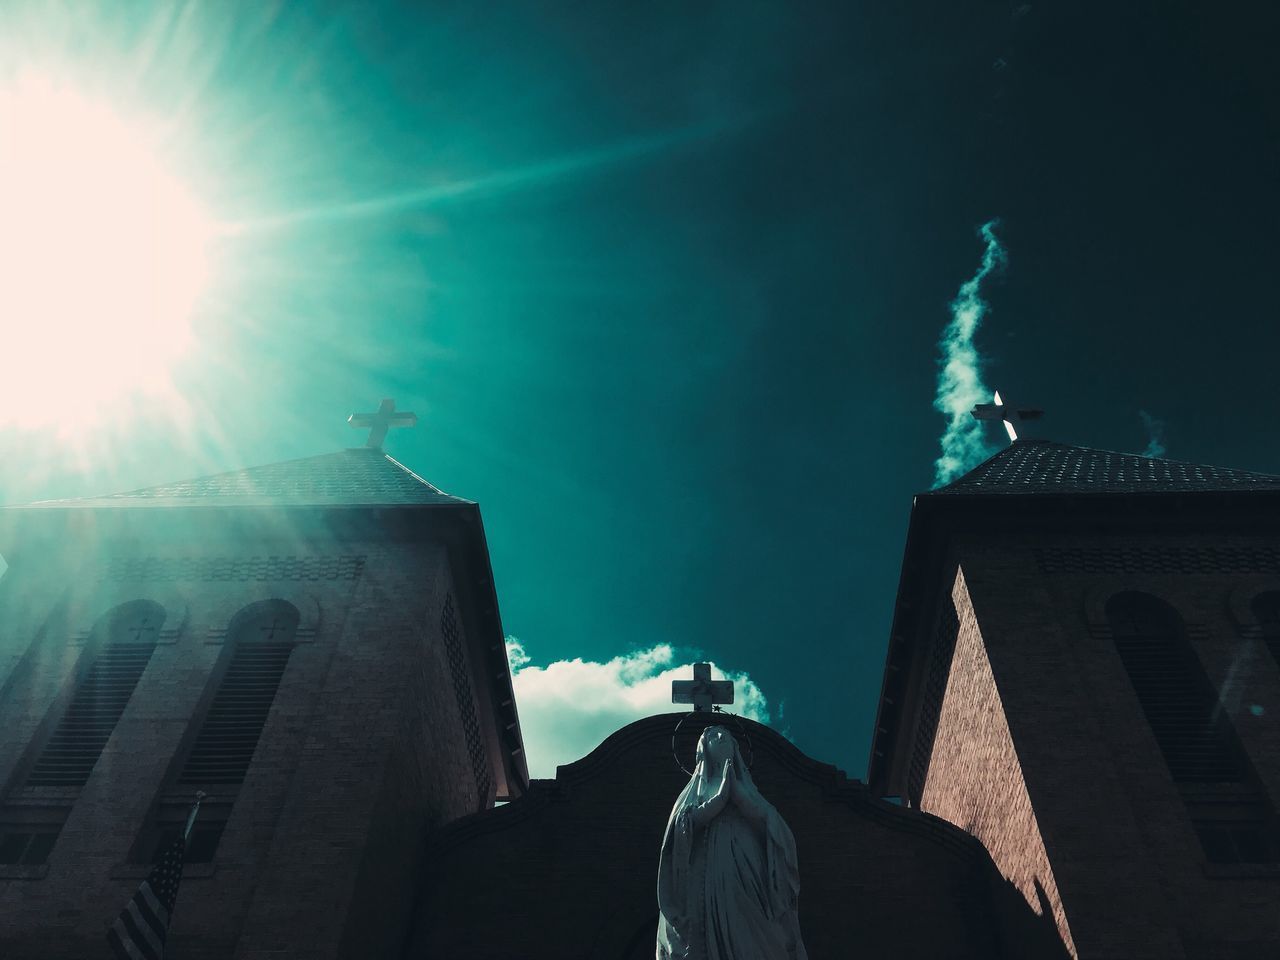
(103, 256)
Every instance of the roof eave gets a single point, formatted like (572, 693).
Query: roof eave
(489, 652)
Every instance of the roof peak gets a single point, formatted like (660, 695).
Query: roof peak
(1047, 466)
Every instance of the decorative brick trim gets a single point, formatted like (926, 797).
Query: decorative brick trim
(1197, 633)
(19, 871)
(231, 569)
(1112, 560)
(304, 602)
(92, 611)
(139, 871)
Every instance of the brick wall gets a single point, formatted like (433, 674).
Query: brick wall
(1130, 872)
(361, 755)
(975, 778)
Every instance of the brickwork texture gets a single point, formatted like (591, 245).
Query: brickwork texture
(1040, 710)
(362, 755)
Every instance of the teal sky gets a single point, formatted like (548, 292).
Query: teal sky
(664, 282)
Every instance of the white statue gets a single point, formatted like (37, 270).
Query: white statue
(727, 878)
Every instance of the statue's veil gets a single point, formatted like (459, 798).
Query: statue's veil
(674, 860)
(676, 900)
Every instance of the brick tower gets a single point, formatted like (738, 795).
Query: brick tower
(1084, 672)
(315, 645)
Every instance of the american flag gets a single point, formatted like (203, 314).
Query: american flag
(140, 930)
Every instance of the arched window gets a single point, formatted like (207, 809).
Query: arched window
(260, 641)
(106, 674)
(1266, 608)
(1228, 807)
(1175, 694)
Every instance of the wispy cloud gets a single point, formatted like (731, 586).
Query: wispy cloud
(1155, 435)
(960, 385)
(568, 707)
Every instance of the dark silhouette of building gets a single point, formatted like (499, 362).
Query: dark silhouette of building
(1079, 676)
(313, 644)
(1083, 679)
(571, 868)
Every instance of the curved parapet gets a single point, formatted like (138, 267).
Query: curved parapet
(569, 870)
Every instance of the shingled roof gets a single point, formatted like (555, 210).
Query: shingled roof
(361, 476)
(1046, 467)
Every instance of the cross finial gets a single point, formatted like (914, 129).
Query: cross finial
(378, 423)
(702, 691)
(1007, 413)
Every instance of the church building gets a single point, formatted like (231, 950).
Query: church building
(1077, 751)
(1084, 674)
(314, 645)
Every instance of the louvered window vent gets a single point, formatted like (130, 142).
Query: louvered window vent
(225, 745)
(1174, 692)
(25, 844)
(82, 733)
(1266, 607)
(1228, 807)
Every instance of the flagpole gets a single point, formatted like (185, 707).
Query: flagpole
(191, 817)
(142, 928)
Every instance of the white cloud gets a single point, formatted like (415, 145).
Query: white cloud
(568, 707)
(960, 385)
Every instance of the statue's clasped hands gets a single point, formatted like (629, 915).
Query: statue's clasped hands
(713, 807)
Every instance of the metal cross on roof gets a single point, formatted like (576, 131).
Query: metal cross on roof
(378, 423)
(702, 691)
(1007, 413)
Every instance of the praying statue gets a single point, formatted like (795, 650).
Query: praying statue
(728, 883)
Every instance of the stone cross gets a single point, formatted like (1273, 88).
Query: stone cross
(378, 423)
(1006, 413)
(141, 628)
(702, 691)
